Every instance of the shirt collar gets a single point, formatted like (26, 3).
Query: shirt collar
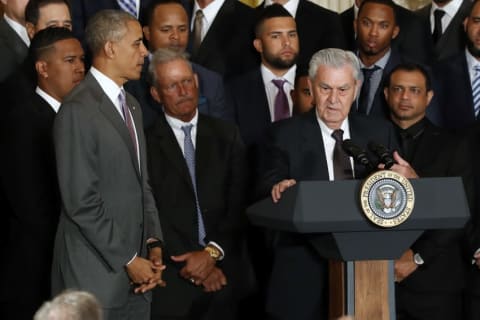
(178, 124)
(111, 89)
(268, 75)
(291, 6)
(414, 131)
(328, 131)
(54, 103)
(450, 8)
(471, 61)
(20, 30)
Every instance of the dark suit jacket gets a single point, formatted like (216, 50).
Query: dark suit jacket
(318, 28)
(454, 93)
(295, 151)
(211, 100)
(12, 50)
(414, 39)
(440, 154)
(452, 40)
(108, 210)
(32, 200)
(220, 176)
(228, 45)
(379, 106)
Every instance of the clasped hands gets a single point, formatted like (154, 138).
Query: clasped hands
(146, 274)
(200, 269)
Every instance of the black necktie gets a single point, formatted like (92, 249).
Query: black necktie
(365, 91)
(342, 169)
(437, 28)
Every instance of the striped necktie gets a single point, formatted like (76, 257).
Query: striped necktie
(476, 90)
(129, 6)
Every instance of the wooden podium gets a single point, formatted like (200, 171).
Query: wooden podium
(361, 254)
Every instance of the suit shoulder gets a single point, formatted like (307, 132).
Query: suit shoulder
(220, 126)
(204, 73)
(316, 9)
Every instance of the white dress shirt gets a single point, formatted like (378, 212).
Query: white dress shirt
(209, 14)
(329, 144)
(54, 103)
(19, 29)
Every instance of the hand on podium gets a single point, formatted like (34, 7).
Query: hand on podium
(278, 188)
(405, 266)
(401, 166)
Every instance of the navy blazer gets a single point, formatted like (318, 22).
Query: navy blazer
(211, 95)
(454, 93)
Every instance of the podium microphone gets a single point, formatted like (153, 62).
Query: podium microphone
(382, 153)
(357, 153)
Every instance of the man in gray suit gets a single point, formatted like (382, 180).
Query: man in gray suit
(108, 222)
(13, 36)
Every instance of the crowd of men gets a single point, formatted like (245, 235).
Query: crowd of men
(135, 133)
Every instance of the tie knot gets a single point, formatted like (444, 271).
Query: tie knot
(279, 83)
(438, 14)
(367, 72)
(338, 135)
(187, 129)
(199, 14)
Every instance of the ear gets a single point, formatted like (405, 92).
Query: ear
(257, 43)
(465, 23)
(41, 67)
(396, 30)
(30, 30)
(429, 97)
(155, 95)
(355, 26)
(146, 32)
(109, 49)
(195, 79)
(385, 93)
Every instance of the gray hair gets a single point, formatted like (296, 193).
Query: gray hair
(335, 58)
(104, 26)
(162, 56)
(70, 305)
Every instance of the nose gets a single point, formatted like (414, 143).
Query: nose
(333, 96)
(80, 67)
(181, 89)
(373, 30)
(285, 40)
(143, 50)
(174, 34)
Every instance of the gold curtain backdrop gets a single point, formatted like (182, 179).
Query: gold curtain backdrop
(341, 5)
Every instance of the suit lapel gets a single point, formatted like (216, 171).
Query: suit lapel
(204, 152)
(18, 46)
(111, 114)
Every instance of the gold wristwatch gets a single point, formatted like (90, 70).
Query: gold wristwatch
(213, 252)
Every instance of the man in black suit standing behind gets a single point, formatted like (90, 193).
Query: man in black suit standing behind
(198, 172)
(308, 147)
(445, 18)
(430, 275)
(30, 183)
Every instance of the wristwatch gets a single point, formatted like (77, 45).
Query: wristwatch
(213, 252)
(418, 259)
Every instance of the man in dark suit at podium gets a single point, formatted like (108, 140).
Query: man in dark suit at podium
(305, 147)
(431, 274)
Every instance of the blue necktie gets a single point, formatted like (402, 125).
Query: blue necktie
(189, 154)
(129, 6)
(476, 90)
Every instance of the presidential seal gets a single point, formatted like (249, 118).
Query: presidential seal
(387, 198)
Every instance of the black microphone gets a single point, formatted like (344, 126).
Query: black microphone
(382, 153)
(357, 153)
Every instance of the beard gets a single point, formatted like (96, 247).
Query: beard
(474, 51)
(280, 63)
